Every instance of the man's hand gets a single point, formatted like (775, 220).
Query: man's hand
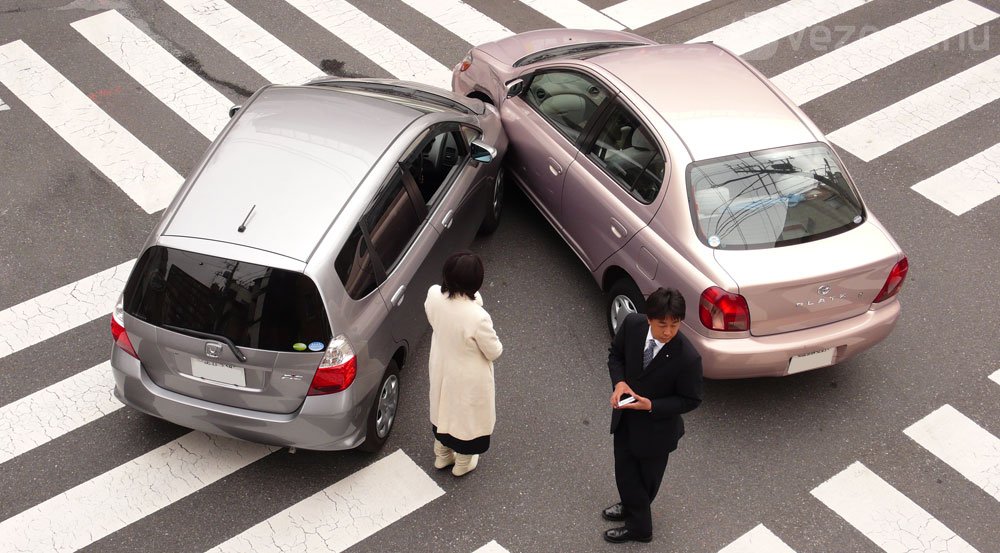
(621, 389)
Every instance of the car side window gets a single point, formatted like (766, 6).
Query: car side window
(354, 266)
(567, 99)
(437, 159)
(625, 149)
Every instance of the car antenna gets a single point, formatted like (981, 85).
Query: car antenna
(243, 226)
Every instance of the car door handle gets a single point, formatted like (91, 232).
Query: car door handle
(617, 229)
(448, 218)
(397, 298)
(555, 168)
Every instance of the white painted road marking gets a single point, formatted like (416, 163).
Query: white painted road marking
(573, 14)
(114, 151)
(963, 444)
(56, 410)
(886, 516)
(758, 540)
(461, 19)
(880, 49)
(3, 106)
(38, 319)
(965, 185)
(921, 113)
(375, 41)
(247, 40)
(995, 377)
(492, 547)
(345, 513)
(202, 106)
(639, 13)
(127, 493)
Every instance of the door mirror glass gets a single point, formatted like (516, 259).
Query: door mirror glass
(483, 153)
(233, 110)
(515, 87)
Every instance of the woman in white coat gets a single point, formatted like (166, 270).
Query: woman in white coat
(463, 348)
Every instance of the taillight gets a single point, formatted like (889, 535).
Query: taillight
(721, 310)
(337, 369)
(895, 281)
(118, 333)
(466, 62)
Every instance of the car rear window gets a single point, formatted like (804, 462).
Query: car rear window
(772, 198)
(255, 306)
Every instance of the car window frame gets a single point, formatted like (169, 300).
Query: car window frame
(611, 91)
(464, 150)
(378, 264)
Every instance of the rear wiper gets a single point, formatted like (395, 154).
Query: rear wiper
(198, 334)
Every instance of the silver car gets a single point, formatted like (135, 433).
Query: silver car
(279, 296)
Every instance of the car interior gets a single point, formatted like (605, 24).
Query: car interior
(567, 99)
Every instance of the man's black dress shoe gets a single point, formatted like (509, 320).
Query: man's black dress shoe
(615, 513)
(622, 535)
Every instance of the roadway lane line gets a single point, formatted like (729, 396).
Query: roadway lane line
(247, 40)
(375, 41)
(881, 49)
(109, 502)
(492, 547)
(573, 14)
(639, 13)
(758, 540)
(202, 106)
(962, 444)
(884, 515)
(462, 20)
(114, 151)
(921, 113)
(966, 184)
(345, 513)
(770, 25)
(3, 106)
(56, 410)
(40, 318)
(995, 377)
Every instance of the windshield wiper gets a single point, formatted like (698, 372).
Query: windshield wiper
(209, 336)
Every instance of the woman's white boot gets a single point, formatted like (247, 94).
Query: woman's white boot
(444, 456)
(464, 464)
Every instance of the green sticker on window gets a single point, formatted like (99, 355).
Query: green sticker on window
(299, 346)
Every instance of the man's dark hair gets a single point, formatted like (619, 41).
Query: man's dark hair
(665, 303)
(462, 275)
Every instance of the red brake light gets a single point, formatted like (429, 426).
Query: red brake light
(337, 369)
(895, 281)
(721, 310)
(118, 333)
(466, 62)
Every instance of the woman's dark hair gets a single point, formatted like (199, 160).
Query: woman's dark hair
(462, 275)
(665, 303)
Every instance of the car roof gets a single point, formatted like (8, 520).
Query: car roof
(715, 103)
(294, 156)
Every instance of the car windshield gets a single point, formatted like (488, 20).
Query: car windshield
(573, 50)
(254, 306)
(772, 198)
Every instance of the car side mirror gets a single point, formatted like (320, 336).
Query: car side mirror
(482, 152)
(233, 110)
(515, 88)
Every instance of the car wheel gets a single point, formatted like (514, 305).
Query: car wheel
(492, 219)
(624, 298)
(382, 414)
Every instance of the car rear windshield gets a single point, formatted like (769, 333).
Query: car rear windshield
(255, 306)
(577, 51)
(772, 198)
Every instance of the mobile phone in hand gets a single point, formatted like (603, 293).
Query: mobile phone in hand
(625, 399)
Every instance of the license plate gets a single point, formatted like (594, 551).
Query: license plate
(811, 361)
(218, 372)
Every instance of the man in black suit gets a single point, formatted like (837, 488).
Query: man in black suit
(651, 361)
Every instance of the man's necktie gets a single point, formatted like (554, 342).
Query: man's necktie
(647, 355)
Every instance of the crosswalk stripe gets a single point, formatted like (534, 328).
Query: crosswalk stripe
(3, 106)
(247, 40)
(40, 318)
(492, 547)
(995, 377)
(56, 410)
(114, 151)
(461, 19)
(127, 493)
(573, 14)
(884, 515)
(765, 27)
(758, 540)
(639, 13)
(203, 107)
(921, 113)
(881, 49)
(966, 184)
(345, 513)
(375, 41)
(962, 444)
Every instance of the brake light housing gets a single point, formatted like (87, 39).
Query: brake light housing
(337, 369)
(723, 311)
(118, 333)
(895, 280)
(466, 62)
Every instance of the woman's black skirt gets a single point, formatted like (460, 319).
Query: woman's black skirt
(474, 446)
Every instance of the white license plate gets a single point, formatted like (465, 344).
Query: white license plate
(811, 361)
(218, 372)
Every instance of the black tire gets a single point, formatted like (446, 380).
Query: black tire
(623, 297)
(379, 427)
(495, 209)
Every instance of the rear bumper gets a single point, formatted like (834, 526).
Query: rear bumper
(331, 422)
(770, 355)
